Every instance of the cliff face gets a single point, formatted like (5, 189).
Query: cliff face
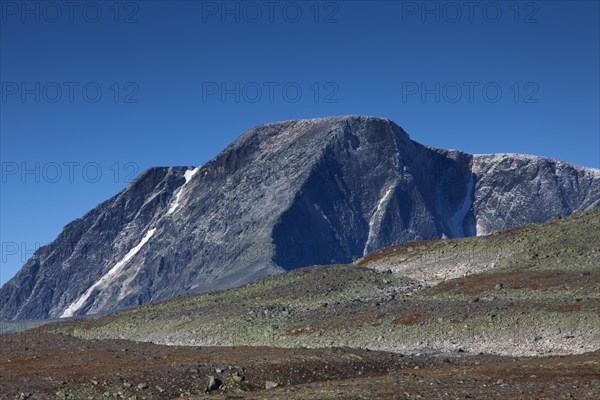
(285, 195)
(514, 189)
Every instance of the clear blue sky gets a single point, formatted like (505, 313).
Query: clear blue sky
(167, 74)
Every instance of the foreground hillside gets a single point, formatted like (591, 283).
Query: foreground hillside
(45, 366)
(533, 290)
(440, 319)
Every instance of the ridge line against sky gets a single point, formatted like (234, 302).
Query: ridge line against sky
(93, 97)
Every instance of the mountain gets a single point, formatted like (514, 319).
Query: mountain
(527, 291)
(285, 195)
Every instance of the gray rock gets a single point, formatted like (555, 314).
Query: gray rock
(213, 383)
(237, 377)
(271, 384)
(284, 195)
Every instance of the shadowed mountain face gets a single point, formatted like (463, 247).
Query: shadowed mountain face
(284, 195)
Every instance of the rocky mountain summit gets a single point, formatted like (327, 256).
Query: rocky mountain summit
(285, 195)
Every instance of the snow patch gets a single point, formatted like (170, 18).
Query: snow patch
(107, 278)
(458, 219)
(377, 216)
(188, 176)
(480, 230)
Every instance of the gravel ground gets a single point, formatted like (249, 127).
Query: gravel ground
(36, 365)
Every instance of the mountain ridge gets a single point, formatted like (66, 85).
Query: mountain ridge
(284, 195)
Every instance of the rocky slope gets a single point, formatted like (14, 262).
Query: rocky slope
(528, 291)
(285, 195)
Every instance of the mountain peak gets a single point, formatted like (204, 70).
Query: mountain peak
(284, 195)
(332, 119)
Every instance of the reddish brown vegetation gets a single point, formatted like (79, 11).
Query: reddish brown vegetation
(534, 280)
(410, 320)
(42, 364)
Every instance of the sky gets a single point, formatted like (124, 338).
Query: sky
(94, 92)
